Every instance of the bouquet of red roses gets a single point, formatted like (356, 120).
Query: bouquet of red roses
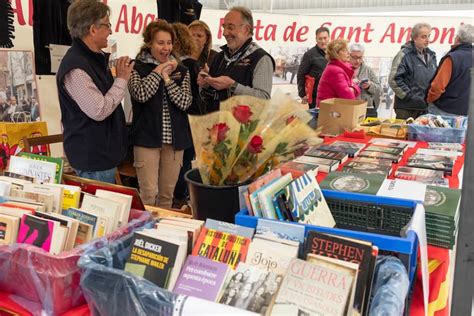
(248, 137)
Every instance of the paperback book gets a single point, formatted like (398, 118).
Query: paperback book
(350, 148)
(385, 149)
(316, 152)
(297, 169)
(155, 259)
(304, 286)
(369, 168)
(229, 228)
(323, 164)
(307, 203)
(380, 155)
(418, 174)
(202, 278)
(59, 162)
(250, 288)
(352, 250)
(221, 247)
(41, 171)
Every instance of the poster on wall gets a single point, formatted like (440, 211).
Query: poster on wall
(286, 37)
(18, 87)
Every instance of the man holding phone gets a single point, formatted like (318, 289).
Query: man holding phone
(241, 68)
(365, 77)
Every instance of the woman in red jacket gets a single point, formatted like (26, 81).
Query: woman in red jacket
(336, 80)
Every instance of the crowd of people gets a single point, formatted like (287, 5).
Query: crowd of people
(13, 111)
(337, 70)
(177, 73)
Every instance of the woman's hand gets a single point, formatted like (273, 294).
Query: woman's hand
(169, 67)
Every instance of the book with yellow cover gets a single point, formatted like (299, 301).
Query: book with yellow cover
(71, 196)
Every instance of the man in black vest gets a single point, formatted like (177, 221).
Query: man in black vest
(95, 136)
(241, 68)
(448, 93)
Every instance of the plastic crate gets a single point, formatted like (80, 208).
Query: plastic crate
(52, 281)
(405, 247)
(369, 213)
(439, 134)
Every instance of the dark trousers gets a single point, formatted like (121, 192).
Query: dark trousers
(404, 114)
(181, 188)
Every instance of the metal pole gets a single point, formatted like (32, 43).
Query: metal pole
(463, 273)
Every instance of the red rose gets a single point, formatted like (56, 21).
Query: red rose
(290, 119)
(220, 130)
(242, 113)
(255, 145)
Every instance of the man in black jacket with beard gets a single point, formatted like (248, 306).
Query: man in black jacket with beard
(312, 65)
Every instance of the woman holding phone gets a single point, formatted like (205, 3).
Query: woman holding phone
(160, 89)
(365, 77)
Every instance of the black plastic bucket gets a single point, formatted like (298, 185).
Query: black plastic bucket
(209, 201)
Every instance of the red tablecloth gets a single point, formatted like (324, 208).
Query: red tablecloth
(438, 258)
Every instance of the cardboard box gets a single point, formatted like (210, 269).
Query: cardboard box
(337, 114)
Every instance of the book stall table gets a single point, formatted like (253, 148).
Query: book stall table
(440, 260)
(38, 280)
(110, 290)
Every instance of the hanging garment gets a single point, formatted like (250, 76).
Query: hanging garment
(6, 24)
(184, 11)
(49, 27)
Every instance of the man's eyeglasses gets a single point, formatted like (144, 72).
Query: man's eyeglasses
(107, 25)
(357, 57)
(230, 27)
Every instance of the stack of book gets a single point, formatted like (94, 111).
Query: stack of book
(442, 215)
(305, 292)
(441, 160)
(283, 197)
(50, 216)
(369, 166)
(427, 176)
(390, 153)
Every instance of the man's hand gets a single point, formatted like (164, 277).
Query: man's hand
(203, 74)
(219, 83)
(304, 100)
(124, 67)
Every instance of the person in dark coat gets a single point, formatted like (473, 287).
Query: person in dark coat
(312, 65)
(411, 72)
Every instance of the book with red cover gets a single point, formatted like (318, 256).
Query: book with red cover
(353, 250)
(221, 247)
